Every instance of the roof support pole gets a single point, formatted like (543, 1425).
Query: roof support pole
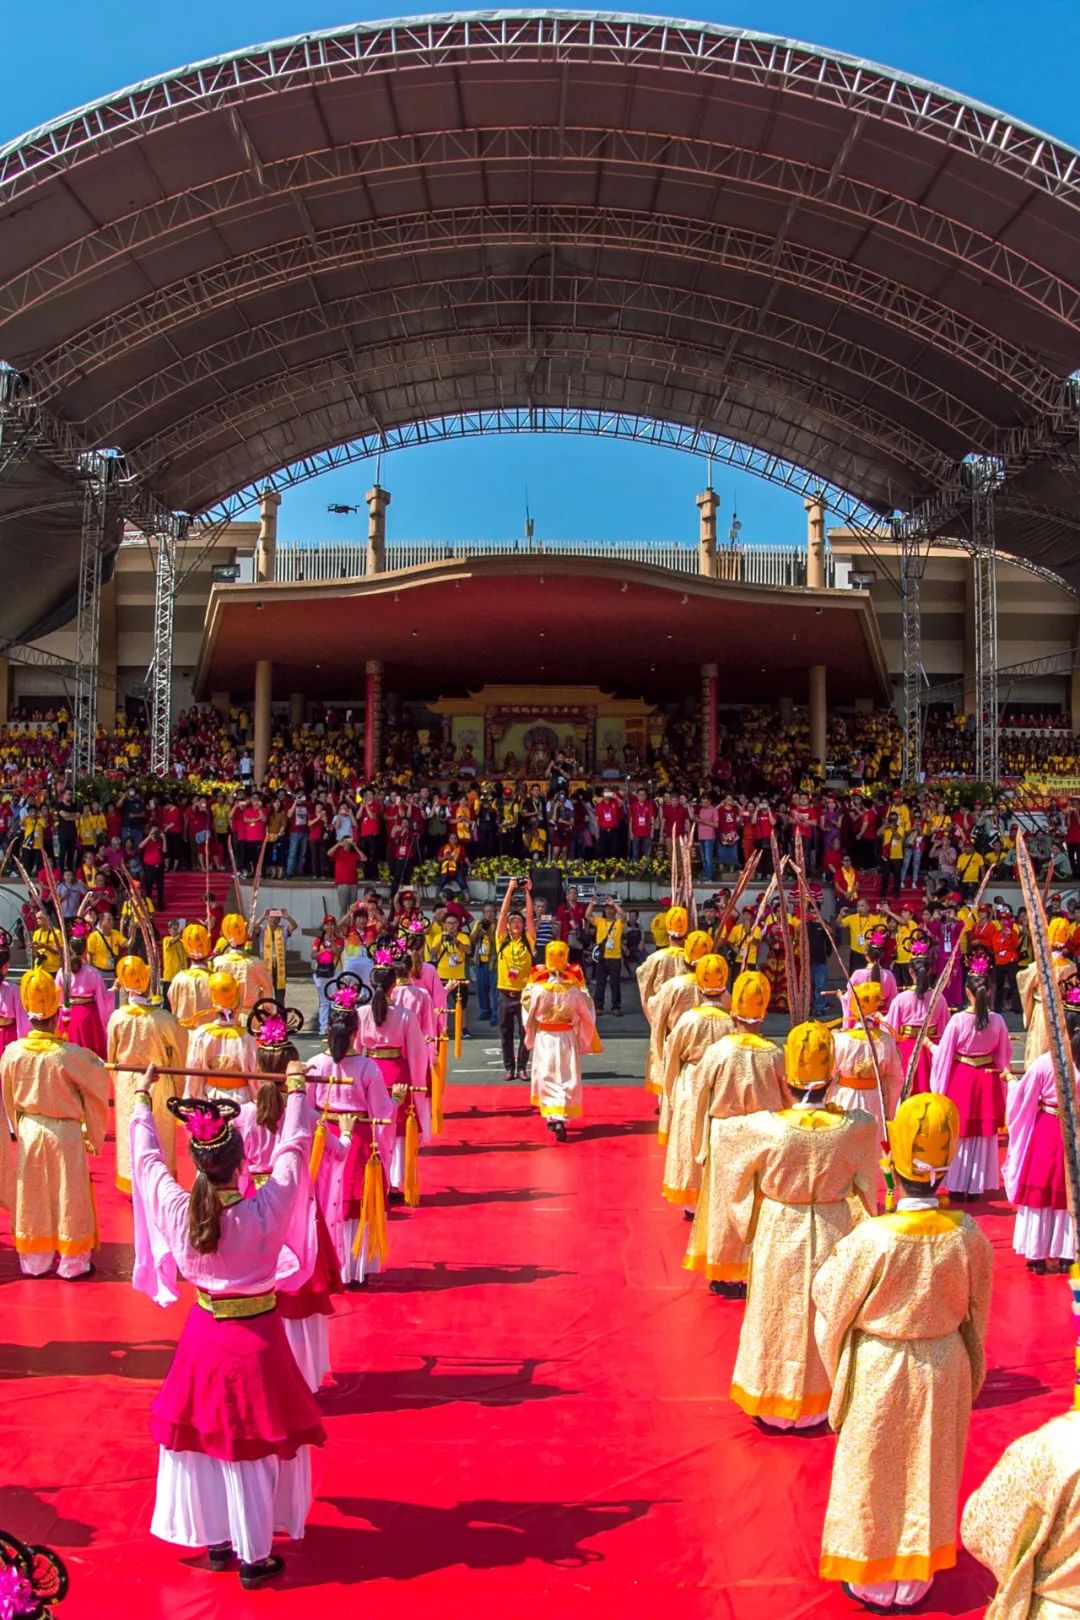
(88, 616)
(985, 473)
(162, 666)
(911, 644)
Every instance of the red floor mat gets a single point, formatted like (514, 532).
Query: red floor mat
(530, 1409)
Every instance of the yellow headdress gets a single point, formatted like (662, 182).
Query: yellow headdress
(808, 1055)
(234, 928)
(923, 1137)
(696, 945)
(676, 922)
(1058, 930)
(711, 973)
(868, 994)
(556, 956)
(38, 993)
(750, 997)
(224, 991)
(196, 942)
(132, 973)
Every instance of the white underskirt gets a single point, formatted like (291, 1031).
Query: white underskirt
(975, 1168)
(309, 1340)
(355, 1267)
(204, 1502)
(1043, 1234)
(885, 1593)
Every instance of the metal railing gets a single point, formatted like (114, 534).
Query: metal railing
(744, 565)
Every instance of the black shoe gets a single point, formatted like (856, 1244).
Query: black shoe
(255, 1575)
(509, 1076)
(355, 1287)
(688, 1214)
(616, 1012)
(1039, 1267)
(395, 1196)
(221, 1556)
(560, 1131)
(874, 1608)
(550, 1123)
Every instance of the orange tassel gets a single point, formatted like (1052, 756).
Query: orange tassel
(412, 1159)
(318, 1148)
(438, 1085)
(372, 1222)
(457, 1029)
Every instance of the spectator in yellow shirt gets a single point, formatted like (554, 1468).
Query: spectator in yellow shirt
(515, 946)
(607, 970)
(45, 945)
(969, 870)
(858, 924)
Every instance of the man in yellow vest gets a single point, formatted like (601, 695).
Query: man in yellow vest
(515, 947)
(607, 952)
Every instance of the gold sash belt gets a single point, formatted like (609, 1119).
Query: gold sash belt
(382, 1051)
(975, 1060)
(235, 1308)
(855, 1082)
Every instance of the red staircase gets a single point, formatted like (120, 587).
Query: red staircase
(184, 893)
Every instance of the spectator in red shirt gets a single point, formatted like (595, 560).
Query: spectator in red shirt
(172, 825)
(345, 861)
(641, 818)
(728, 828)
(371, 821)
(675, 816)
(608, 818)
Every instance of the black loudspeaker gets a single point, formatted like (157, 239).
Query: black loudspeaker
(547, 886)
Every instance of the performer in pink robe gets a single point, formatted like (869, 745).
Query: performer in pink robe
(85, 1019)
(874, 973)
(908, 1013)
(393, 1038)
(970, 1066)
(350, 1093)
(1034, 1168)
(234, 1419)
(307, 1308)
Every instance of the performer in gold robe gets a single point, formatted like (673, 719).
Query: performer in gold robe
(189, 990)
(902, 1307)
(1058, 933)
(672, 999)
(696, 1030)
(1023, 1523)
(560, 1026)
(655, 971)
(223, 1045)
(740, 1074)
(796, 1182)
(235, 956)
(141, 1033)
(855, 1078)
(56, 1096)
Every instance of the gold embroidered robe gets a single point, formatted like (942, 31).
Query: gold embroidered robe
(138, 1035)
(696, 1030)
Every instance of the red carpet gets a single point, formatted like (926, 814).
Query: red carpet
(530, 1417)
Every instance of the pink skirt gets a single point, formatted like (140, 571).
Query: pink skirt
(979, 1095)
(921, 1078)
(315, 1297)
(395, 1072)
(1042, 1180)
(81, 1025)
(353, 1173)
(234, 1392)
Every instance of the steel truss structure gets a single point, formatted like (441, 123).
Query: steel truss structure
(161, 667)
(393, 234)
(96, 492)
(985, 475)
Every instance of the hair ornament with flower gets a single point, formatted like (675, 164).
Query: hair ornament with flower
(273, 1025)
(876, 936)
(32, 1580)
(348, 992)
(920, 945)
(209, 1123)
(979, 964)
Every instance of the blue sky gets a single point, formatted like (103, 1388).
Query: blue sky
(1020, 59)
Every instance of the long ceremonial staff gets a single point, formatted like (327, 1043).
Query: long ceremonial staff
(936, 994)
(803, 959)
(811, 906)
(746, 877)
(206, 866)
(144, 923)
(34, 891)
(256, 885)
(65, 947)
(785, 931)
(1064, 1073)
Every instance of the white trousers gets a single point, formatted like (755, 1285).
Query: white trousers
(36, 1265)
(309, 1341)
(204, 1502)
(975, 1169)
(1043, 1234)
(901, 1593)
(355, 1267)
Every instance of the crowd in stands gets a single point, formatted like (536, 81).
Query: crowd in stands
(434, 815)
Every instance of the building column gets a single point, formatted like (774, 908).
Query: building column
(106, 697)
(5, 691)
(373, 674)
(707, 504)
(815, 543)
(296, 709)
(377, 502)
(710, 727)
(266, 549)
(818, 725)
(264, 682)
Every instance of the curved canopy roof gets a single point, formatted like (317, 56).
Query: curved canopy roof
(231, 268)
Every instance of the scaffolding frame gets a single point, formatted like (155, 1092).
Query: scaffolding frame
(986, 474)
(160, 671)
(94, 538)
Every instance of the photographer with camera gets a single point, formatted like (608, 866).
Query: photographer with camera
(607, 952)
(515, 949)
